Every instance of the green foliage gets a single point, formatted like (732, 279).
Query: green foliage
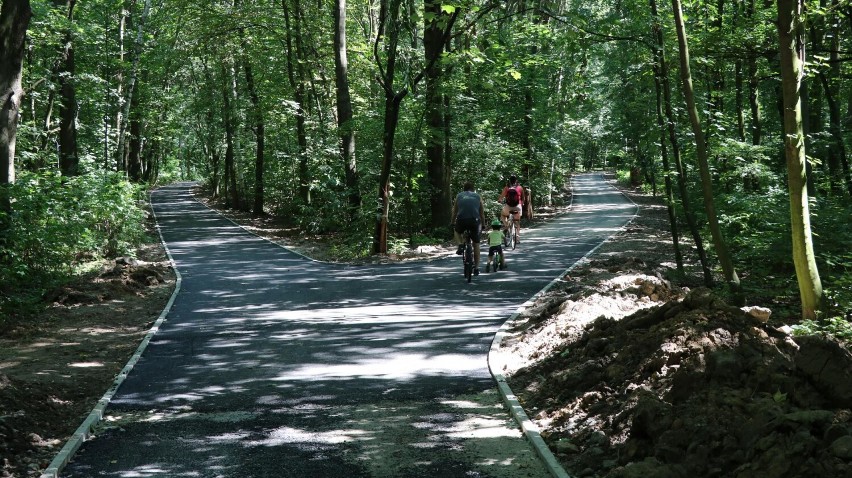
(834, 254)
(758, 228)
(56, 220)
(836, 327)
(622, 176)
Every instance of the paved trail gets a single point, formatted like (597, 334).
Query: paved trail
(270, 365)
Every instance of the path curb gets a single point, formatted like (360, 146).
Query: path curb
(85, 429)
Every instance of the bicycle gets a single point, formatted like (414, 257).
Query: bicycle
(510, 235)
(467, 256)
(498, 262)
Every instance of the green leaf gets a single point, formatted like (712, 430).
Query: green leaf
(515, 74)
(448, 9)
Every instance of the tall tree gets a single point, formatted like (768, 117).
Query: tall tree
(229, 97)
(296, 75)
(436, 154)
(127, 101)
(14, 20)
(259, 128)
(389, 33)
(345, 126)
(658, 67)
(719, 243)
(69, 162)
(791, 46)
(665, 86)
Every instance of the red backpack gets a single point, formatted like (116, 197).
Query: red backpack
(513, 196)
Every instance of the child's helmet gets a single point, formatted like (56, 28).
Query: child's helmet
(496, 223)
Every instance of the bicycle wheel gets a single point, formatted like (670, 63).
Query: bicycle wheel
(468, 260)
(510, 240)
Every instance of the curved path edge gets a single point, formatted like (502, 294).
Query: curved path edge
(495, 365)
(84, 431)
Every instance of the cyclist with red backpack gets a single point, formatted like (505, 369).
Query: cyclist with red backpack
(513, 194)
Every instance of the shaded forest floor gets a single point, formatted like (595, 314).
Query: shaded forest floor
(627, 368)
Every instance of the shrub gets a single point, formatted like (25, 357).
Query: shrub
(56, 220)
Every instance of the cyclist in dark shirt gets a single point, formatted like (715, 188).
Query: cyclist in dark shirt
(469, 214)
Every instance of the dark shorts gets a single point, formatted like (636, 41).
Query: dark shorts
(498, 249)
(471, 225)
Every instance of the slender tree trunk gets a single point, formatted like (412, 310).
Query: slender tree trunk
(345, 126)
(701, 149)
(791, 47)
(232, 198)
(134, 151)
(753, 84)
(295, 74)
(388, 20)
(433, 46)
(123, 19)
(14, 20)
(259, 124)
(260, 138)
(678, 161)
(756, 120)
(69, 162)
(131, 85)
(388, 34)
(658, 85)
(739, 84)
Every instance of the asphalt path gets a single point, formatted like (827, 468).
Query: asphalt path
(273, 365)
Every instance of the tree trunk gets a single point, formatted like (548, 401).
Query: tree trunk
(260, 139)
(14, 20)
(69, 161)
(388, 19)
(658, 85)
(738, 84)
(791, 47)
(123, 20)
(701, 149)
(259, 124)
(345, 126)
(756, 123)
(232, 198)
(392, 107)
(134, 151)
(433, 46)
(295, 73)
(134, 73)
(673, 141)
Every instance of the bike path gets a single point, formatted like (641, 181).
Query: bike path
(270, 364)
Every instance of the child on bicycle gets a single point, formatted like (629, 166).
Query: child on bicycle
(495, 245)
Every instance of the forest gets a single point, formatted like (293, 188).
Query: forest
(359, 120)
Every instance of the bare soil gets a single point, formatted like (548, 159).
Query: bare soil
(630, 374)
(628, 368)
(55, 368)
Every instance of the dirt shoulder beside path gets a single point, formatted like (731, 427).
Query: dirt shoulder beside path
(53, 370)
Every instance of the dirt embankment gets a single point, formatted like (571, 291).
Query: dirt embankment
(629, 375)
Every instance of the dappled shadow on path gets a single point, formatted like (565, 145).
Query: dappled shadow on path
(273, 365)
